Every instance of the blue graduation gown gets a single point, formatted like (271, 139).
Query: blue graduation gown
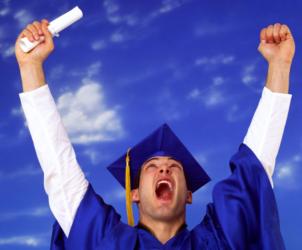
(243, 215)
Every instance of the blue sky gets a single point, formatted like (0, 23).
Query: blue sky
(135, 65)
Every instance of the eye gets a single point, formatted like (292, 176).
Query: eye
(176, 166)
(151, 167)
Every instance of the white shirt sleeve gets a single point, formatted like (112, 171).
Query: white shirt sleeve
(64, 181)
(266, 129)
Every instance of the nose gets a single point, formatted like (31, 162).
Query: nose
(164, 170)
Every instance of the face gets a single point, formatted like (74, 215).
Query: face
(162, 193)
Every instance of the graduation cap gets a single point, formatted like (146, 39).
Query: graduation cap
(162, 142)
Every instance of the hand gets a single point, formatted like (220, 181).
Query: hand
(277, 44)
(35, 32)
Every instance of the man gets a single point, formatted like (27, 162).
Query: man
(160, 172)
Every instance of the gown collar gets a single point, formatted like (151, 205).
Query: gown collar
(149, 239)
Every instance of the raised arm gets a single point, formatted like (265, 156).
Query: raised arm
(64, 181)
(277, 46)
(31, 64)
(244, 203)
(265, 132)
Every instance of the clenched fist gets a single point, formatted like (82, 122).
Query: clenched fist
(277, 44)
(36, 31)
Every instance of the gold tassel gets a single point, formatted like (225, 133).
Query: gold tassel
(128, 191)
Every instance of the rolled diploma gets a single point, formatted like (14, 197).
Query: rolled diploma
(54, 27)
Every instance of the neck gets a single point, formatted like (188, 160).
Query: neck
(163, 230)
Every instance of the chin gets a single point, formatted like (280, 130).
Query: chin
(166, 213)
(165, 216)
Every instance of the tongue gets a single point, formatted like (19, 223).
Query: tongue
(163, 192)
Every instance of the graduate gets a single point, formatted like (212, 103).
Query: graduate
(159, 174)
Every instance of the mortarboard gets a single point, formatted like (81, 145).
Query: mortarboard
(162, 142)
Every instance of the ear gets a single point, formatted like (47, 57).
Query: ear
(189, 197)
(135, 195)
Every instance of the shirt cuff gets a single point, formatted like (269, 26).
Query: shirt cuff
(266, 129)
(35, 92)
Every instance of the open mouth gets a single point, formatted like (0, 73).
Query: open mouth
(164, 190)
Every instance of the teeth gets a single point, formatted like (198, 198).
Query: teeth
(165, 182)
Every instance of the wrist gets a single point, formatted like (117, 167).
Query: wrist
(280, 65)
(30, 65)
(278, 77)
(32, 76)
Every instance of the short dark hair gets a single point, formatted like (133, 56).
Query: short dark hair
(137, 178)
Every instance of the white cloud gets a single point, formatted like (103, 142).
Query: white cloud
(86, 116)
(25, 171)
(9, 51)
(249, 77)
(248, 74)
(285, 171)
(114, 16)
(56, 72)
(140, 76)
(89, 72)
(218, 80)
(115, 19)
(93, 69)
(84, 112)
(118, 37)
(208, 154)
(210, 28)
(6, 2)
(202, 158)
(166, 6)
(118, 194)
(168, 107)
(288, 173)
(170, 5)
(195, 93)
(211, 96)
(94, 155)
(131, 20)
(234, 114)
(17, 111)
(27, 240)
(98, 45)
(111, 6)
(209, 62)
(34, 212)
(5, 8)
(5, 11)
(126, 21)
(297, 158)
(23, 17)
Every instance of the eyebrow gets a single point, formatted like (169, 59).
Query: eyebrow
(157, 158)
(154, 158)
